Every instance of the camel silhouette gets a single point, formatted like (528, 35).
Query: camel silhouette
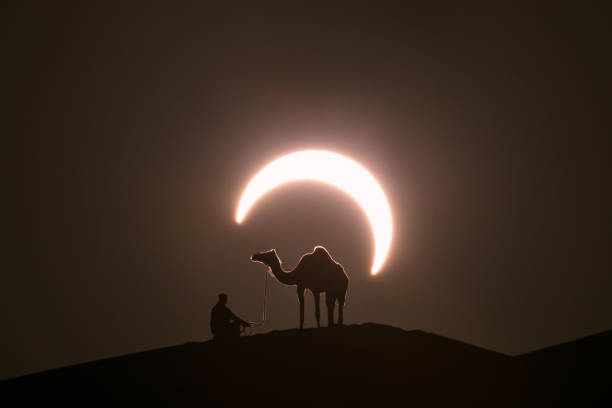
(316, 271)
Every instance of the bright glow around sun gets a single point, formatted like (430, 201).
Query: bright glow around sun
(334, 169)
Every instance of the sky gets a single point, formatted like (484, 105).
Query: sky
(134, 131)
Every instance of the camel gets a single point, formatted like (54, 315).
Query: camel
(316, 271)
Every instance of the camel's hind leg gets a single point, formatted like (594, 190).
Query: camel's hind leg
(341, 308)
(330, 300)
(300, 293)
(317, 298)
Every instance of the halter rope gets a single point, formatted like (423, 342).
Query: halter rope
(265, 305)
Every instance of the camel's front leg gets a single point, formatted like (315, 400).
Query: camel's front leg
(300, 293)
(317, 297)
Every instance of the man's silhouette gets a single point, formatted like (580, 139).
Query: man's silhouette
(223, 323)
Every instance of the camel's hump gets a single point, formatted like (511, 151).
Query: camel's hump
(319, 256)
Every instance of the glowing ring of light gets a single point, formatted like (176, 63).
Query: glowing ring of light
(334, 169)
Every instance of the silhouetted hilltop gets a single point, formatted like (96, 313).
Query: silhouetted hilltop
(360, 365)
(577, 372)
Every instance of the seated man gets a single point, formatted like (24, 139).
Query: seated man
(223, 323)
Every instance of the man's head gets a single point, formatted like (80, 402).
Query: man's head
(222, 298)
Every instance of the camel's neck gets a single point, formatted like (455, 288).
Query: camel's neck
(283, 277)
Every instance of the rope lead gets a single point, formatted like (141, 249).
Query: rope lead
(265, 306)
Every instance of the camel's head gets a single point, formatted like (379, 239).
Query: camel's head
(267, 258)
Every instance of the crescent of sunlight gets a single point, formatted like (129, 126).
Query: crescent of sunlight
(334, 169)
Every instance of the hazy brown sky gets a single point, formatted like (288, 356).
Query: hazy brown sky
(136, 128)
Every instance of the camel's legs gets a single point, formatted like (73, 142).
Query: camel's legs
(300, 293)
(317, 297)
(330, 300)
(341, 308)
